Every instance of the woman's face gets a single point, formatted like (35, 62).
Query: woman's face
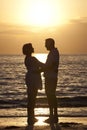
(32, 49)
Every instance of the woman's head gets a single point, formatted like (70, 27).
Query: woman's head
(27, 49)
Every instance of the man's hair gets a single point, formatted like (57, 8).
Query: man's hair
(50, 41)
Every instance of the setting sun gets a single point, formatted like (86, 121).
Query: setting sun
(41, 13)
(33, 21)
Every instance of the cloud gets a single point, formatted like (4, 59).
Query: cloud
(13, 29)
(73, 36)
(80, 20)
(70, 38)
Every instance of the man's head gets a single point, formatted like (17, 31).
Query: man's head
(49, 43)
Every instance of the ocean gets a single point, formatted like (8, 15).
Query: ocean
(71, 89)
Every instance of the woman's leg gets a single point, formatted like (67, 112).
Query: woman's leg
(32, 93)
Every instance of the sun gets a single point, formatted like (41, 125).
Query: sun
(41, 13)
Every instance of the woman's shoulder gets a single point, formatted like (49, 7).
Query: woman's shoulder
(31, 59)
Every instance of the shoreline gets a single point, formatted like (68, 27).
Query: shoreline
(65, 123)
(63, 126)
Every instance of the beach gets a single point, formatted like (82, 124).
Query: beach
(64, 126)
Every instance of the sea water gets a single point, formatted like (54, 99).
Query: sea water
(71, 87)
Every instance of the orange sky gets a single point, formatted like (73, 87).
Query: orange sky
(24, 21)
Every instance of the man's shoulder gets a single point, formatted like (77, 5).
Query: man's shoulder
(55, 52)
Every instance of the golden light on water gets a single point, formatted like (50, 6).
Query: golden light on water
(41, 120)
(41, 57)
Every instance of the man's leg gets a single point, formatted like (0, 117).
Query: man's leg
(53, 103)
(50, 88)
(50, 119)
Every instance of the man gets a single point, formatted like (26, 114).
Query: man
(51, 74)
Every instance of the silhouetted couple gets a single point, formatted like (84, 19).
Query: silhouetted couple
(33, 80)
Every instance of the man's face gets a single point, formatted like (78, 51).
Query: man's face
(47, 45)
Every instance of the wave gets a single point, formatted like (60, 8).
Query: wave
(79, 101)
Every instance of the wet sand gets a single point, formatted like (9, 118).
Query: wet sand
(64, 126)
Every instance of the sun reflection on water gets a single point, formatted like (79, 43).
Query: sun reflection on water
(41, 116)
(41, 57)
(40, 121)
(41, 111)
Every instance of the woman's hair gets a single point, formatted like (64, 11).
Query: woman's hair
(27, 48)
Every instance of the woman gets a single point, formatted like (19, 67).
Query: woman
(33, 81)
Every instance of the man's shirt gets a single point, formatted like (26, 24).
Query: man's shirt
(52, 64)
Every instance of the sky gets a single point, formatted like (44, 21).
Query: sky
(23, 21)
